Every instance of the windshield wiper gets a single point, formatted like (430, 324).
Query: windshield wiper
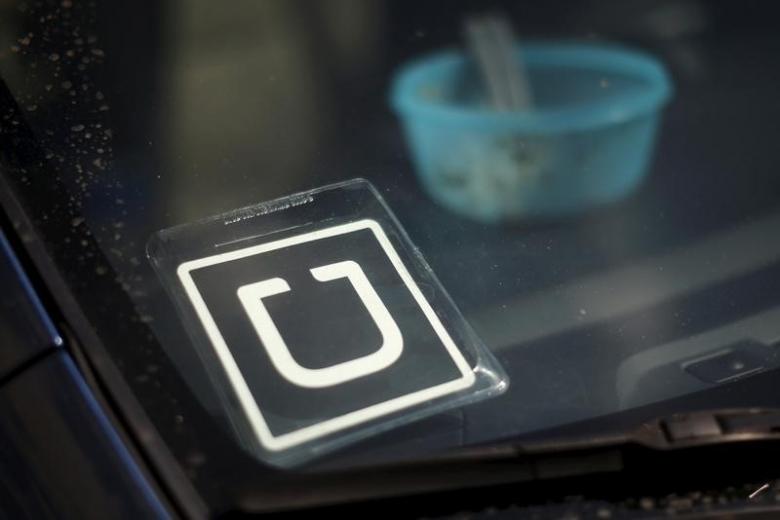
(681, 447)
(699, 428)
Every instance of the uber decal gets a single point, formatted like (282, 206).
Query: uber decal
(321, 331)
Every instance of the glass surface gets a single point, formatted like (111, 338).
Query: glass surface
(123, 118)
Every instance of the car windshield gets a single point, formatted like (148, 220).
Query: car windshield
(592, 184)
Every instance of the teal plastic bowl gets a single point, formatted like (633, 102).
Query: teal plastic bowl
(586, 141)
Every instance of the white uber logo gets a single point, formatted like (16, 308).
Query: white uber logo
(322, 331)
(252, 295)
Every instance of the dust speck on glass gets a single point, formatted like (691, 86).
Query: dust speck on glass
(592, 184)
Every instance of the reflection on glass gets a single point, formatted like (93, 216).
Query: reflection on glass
(482, 149)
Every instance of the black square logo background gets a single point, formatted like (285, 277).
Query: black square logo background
(323, 323)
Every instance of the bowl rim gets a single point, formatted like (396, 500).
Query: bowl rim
(621, 107)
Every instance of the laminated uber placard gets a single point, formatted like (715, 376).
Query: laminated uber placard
(319, 322)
